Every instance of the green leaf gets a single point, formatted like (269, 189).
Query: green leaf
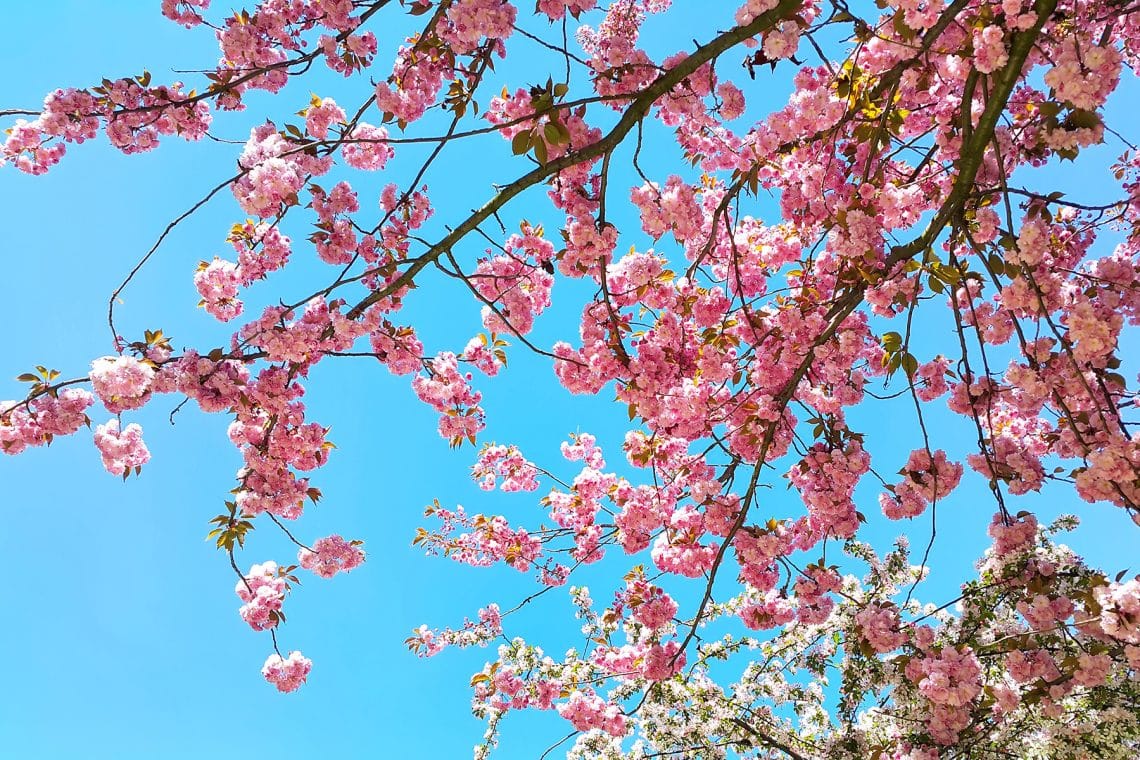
(909, 365)
(551, 133)
(1082, 119)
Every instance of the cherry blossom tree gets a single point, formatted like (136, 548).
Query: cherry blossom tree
(740, 347)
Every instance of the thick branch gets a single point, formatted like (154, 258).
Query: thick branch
(637, 111)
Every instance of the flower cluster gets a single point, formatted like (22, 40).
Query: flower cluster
(121, 382)
(262, 591)
(123, 449)
(1120, 610)
(929, 477)
(448, 391)
(37, 422)
(879, 627)
(507, 463)
(287, 674)
(427, 643)
(586, 710)
(274, 172)
(331, 555)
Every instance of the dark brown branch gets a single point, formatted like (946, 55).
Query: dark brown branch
(636, 111)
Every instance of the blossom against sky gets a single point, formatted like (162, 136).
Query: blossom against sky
(125, 640)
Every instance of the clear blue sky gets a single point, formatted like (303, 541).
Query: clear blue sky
(122, 637)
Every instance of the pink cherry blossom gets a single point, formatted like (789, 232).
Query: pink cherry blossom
(331, 555)
(287, 674)
(122, 450)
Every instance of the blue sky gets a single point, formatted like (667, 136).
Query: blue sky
(122, 634)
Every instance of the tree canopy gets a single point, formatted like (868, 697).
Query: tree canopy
(832, 264)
